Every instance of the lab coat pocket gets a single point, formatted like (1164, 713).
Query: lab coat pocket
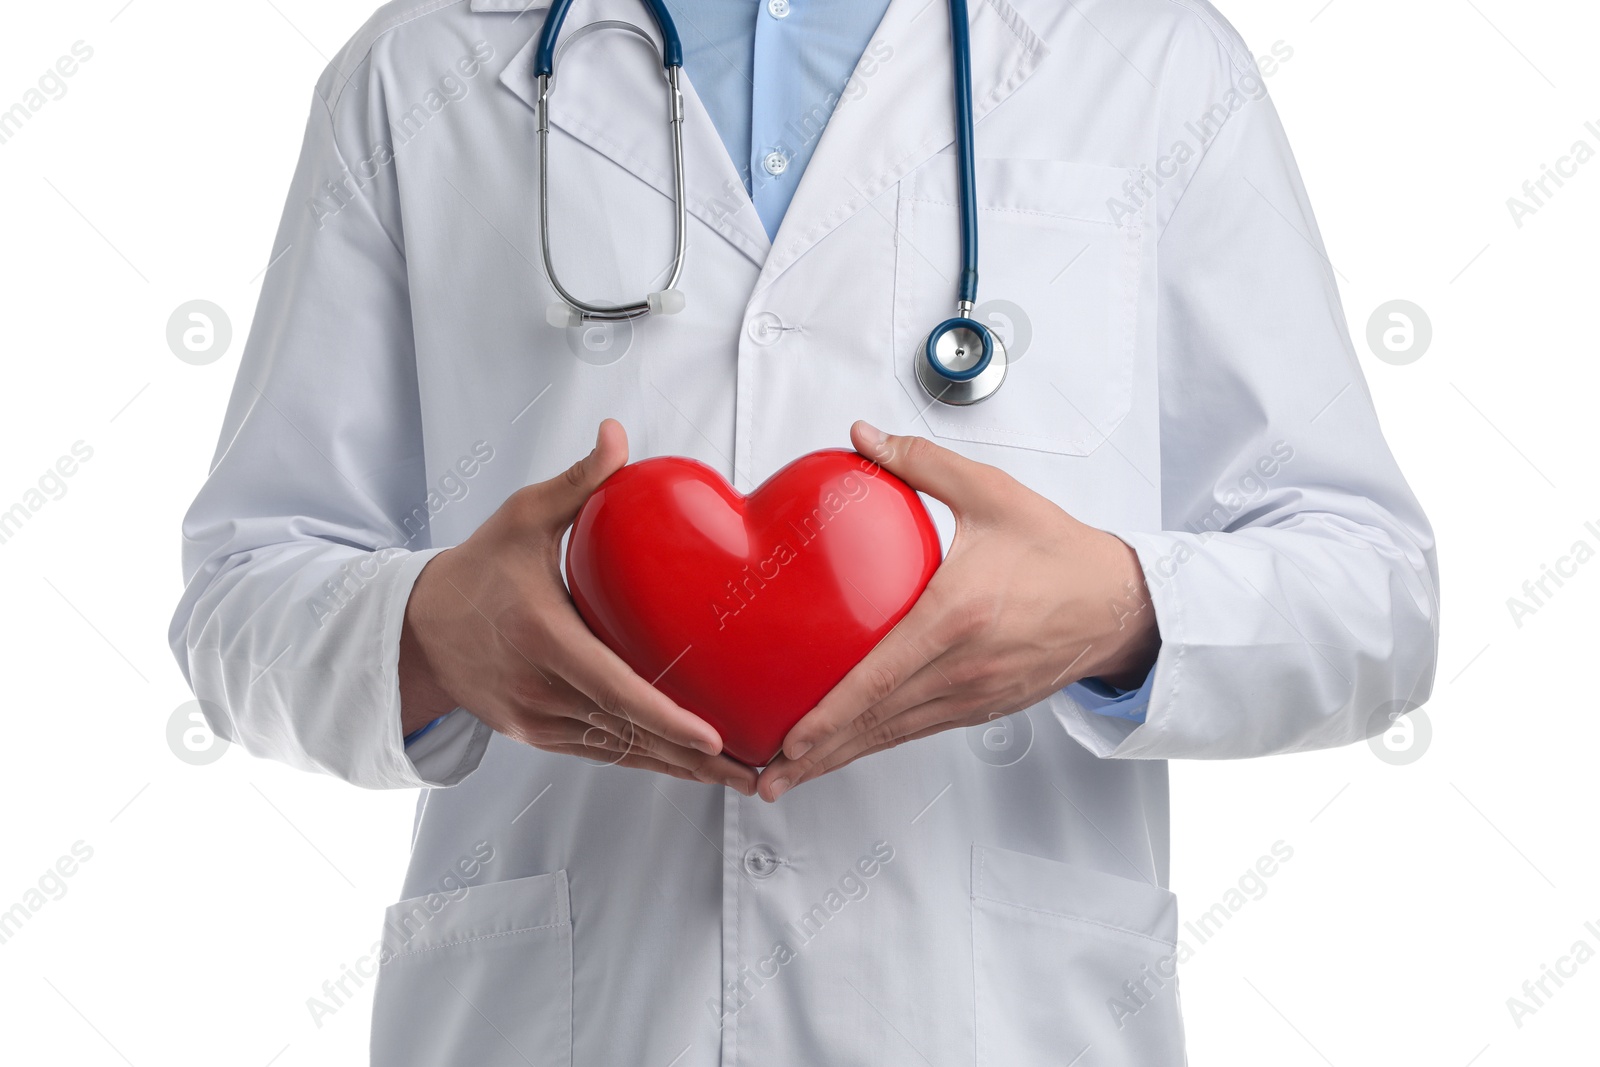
(1072, 965)
(1061, 283)
(483, 978)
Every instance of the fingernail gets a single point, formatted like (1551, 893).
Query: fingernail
(780, 786)
(739, 785)
(700, 744)
(797, 749)
(874, 436)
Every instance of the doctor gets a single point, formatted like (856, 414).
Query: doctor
(1175, 531)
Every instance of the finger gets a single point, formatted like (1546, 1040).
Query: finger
(928, 468)
(599, 674)
(840, 760)
(930, 683)
(618, 734)
(583, 676)
(925, 720)
(617, 742)
(612, 752)
(776, 780)
(564, 495)
(936, 717)
(912, 644)
(783, 774)
(641, 762)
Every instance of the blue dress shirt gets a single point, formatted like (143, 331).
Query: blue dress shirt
(770, 73)
(1114, 703)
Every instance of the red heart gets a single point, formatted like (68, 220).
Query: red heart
(747, 610)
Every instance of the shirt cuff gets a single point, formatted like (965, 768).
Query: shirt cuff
(1101, 698)
(448, 749)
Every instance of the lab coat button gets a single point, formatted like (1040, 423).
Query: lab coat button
(776, 163)
(779, 9)
(765, 328)
(761, 861)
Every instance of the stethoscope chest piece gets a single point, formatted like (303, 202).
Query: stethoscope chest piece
(961, 362)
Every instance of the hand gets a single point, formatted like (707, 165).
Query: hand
(1028, 600)
(490, 628)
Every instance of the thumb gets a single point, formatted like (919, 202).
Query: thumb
(610, 454)
(926, 467)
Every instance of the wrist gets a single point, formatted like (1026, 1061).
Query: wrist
(1134, 666)
(1132, 640)
(422, 698)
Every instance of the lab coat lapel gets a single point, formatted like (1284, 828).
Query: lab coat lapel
(904, 115)
(621, 113)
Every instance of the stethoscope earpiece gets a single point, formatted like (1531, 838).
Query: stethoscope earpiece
(961, 362)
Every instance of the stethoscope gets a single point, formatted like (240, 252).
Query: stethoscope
(960, 362)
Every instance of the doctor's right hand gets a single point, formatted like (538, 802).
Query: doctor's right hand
(490, 628)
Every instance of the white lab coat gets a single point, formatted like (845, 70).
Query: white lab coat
(989, 896)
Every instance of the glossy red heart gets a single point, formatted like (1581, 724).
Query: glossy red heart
(747, 610)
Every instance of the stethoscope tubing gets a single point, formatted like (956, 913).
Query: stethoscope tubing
(942, 382)
(544, 58)
(966, 151)
(639, 308)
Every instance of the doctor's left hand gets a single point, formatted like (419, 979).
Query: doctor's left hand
(1027, 600)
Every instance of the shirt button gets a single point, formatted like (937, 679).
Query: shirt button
(761, 861)
(779, 9)
(775, 163)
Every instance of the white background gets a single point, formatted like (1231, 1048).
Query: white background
(219, 898)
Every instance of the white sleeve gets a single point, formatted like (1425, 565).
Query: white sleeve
(1294, 581)
(302, 547)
